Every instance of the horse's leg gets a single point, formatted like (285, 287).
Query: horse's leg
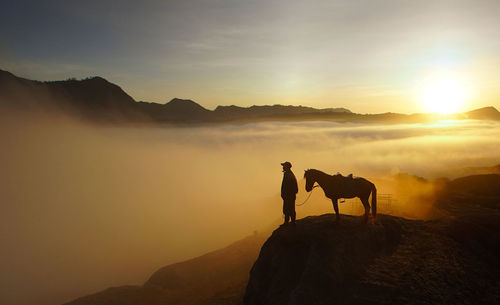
(336, 208)
(366, 204)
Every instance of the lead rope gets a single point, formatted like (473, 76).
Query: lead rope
(310, 193)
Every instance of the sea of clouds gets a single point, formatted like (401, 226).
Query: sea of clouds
(85, 207)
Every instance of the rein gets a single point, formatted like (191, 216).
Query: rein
(310, 193)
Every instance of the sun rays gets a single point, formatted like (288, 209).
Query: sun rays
(443, 92)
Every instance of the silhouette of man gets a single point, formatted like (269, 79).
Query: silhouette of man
(289, 190)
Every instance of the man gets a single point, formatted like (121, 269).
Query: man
(289, 190)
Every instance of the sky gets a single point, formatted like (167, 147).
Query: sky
(368, 56)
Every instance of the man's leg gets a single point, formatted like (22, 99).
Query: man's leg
(292, 209)
(285, 212)
(287, 218)
(289, 208)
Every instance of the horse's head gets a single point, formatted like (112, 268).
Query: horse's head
(310, 180)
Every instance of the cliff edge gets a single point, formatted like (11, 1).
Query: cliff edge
(453, 260)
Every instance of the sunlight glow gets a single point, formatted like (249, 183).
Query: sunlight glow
(443, 93)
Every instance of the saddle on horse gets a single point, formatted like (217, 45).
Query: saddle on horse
(348, 183)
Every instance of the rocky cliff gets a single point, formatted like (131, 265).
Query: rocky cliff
(453, 260)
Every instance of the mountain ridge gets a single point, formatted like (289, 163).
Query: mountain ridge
(217, 277)
(97, 99)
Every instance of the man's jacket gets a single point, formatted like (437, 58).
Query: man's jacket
(289, 185)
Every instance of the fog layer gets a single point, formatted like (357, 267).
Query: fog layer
(86, 207)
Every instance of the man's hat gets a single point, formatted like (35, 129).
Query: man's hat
(286, 164)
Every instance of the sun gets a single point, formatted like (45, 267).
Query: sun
(443, 93)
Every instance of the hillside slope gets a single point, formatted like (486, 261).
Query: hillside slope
(217, 277)
(92, 98)
(394, 261)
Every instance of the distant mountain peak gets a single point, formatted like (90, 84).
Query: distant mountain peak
(184, 104)
(96, 79)
(489, 112)
(486, 109)
(184, 109)
(180, 101)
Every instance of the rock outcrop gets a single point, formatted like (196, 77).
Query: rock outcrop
(393, 261)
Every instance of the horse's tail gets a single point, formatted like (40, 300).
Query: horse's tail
(374, 201)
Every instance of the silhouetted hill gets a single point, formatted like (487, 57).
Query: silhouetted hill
(16, 92)
(182, 110)
(395, 261)
(486, 113)
(93, 98)
(236, 113)
(474, 170)
(471, 192)
(97, 99)
(484, 185)
(218, 277)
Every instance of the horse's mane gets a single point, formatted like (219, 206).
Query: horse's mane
(315, 171)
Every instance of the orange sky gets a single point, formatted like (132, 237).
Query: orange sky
(368, 56)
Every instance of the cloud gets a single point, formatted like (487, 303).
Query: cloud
(92, 206)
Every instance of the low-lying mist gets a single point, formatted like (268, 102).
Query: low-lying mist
(87, 207)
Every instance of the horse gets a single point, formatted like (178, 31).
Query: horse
(338, 186)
